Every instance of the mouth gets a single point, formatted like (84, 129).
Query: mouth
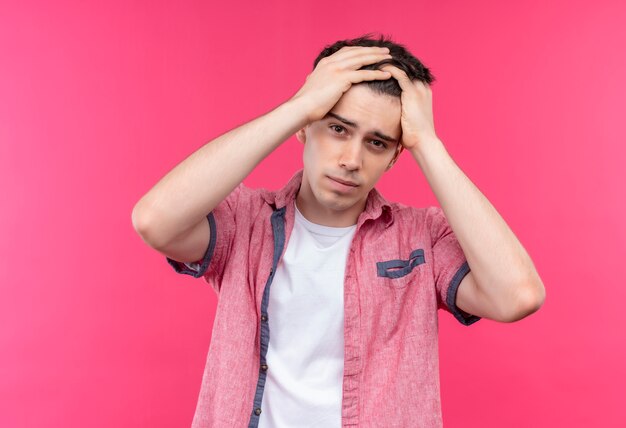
(344, 182)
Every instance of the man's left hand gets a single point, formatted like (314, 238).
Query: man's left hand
(418, 127)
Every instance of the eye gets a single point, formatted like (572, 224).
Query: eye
(335, 127)
(379, 144)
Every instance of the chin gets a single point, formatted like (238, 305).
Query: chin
(330, 200)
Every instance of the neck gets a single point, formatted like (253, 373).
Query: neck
(320, 214)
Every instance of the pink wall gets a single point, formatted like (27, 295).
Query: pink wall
(98, 102)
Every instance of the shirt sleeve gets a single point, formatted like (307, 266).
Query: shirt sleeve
(449, 265)
(223, 225)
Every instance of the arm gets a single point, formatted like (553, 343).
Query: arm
(171, 216)
(170, 210)
(503, 284)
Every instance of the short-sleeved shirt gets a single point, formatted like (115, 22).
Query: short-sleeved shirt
(404, 264)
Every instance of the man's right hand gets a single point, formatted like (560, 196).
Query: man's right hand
(334, 75)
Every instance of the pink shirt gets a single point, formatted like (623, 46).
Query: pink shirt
(403, 265)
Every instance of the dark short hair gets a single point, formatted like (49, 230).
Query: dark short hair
(401, 58)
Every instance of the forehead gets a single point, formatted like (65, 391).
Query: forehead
(370, 110)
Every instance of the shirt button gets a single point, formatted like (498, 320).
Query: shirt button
(263, 317)
(257, 411)
(264, 367)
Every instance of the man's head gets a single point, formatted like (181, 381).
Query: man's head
(357, 141)
(402, 59)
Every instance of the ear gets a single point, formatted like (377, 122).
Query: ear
(301, 135)
(399, 150)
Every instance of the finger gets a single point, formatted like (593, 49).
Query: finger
(345, 48)
(399, 75)
(357, 51)
(359, 61)
(404, 81)
(363, 75)
(423, 86)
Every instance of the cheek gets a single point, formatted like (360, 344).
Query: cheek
(311, 157)
(318, 149)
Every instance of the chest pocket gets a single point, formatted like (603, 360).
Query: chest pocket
(399, 268)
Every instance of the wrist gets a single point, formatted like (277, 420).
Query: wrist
(301, 107)
(428, 150)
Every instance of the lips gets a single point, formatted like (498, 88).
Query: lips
(346, 182)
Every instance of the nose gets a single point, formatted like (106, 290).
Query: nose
(351, 156)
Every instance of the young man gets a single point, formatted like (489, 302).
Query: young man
(327, 293)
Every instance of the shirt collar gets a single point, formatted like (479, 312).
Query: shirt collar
(375, 206)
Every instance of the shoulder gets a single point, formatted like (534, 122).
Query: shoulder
(403, 213)
(427, 222)
(244, 204)
(246, 195)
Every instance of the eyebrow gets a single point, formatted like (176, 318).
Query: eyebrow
(356, 126)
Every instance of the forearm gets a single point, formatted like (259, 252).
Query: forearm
(501, 266)
(186, 194)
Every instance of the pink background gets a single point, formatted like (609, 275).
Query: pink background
(98, 101)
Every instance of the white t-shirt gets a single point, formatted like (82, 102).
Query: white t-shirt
(305, 355)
